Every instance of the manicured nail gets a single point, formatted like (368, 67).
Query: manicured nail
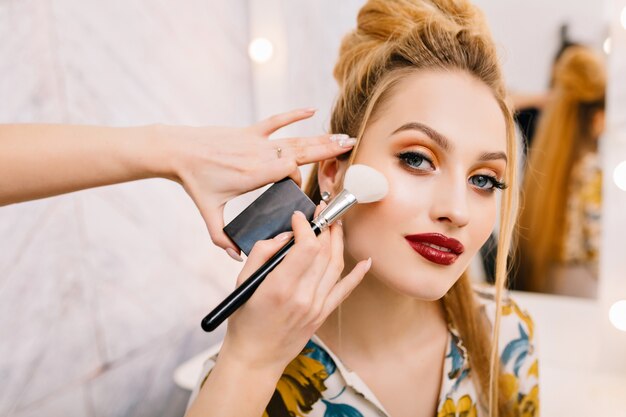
(347, 143)
(336, 138)
(283, 237)
(231, 252)
(299, 213)
(339, 222)
(369, 264)
(309, 110)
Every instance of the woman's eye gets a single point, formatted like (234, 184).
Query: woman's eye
(486, 182)
(416, 160)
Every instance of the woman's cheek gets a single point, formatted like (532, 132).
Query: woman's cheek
(368, 230)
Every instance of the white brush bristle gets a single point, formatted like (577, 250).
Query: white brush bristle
(365, 183)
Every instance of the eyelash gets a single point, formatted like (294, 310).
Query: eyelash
(408, 157)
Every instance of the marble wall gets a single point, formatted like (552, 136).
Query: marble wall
(102, 291)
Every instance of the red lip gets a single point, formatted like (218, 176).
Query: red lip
(420, 243)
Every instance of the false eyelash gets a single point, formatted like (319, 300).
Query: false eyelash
(498, 184)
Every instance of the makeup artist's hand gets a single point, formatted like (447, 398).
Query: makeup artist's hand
(274, 325)
(215, 165)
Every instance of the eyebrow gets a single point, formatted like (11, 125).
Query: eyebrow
(443, 142)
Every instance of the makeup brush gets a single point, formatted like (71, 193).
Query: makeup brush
(362, 184)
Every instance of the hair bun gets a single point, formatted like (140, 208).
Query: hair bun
(383, 25)
(580, 74)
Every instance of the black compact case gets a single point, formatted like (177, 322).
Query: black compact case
(269, 215)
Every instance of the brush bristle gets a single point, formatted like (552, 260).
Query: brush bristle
(365, 183)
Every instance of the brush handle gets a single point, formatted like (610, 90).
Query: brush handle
(243, 293)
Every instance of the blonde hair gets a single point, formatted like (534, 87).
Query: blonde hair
(563, 136)
(395, 38)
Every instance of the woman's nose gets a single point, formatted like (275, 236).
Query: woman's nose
(450, 203)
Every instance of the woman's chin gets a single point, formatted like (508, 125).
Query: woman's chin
(421, 287)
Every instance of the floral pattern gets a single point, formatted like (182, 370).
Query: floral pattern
(317, 384)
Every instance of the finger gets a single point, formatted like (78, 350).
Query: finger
(261, 252)
(345, 286)
(321, 206)
(302, 285)
(310, 281)
(299, 259)
(294, 152)
(335, 264)
(312, 149)
(214, 220)
(273, 123)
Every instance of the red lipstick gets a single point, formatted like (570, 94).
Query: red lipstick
(436, 247)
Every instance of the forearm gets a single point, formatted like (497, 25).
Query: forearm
(232, 389)
(39, 161)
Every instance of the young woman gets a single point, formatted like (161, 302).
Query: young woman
(560, 223)
(421, 89)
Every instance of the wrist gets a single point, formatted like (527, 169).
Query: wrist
(230, 380)
(163, 150)
(267, 372)
(257, 363)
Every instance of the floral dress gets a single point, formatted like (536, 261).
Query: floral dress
(317, 384)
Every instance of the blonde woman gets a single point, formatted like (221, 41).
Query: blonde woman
(421, 90)
(560, 223)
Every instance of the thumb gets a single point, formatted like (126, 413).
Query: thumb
(214, 219)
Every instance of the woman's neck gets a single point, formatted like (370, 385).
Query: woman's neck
(376, 320)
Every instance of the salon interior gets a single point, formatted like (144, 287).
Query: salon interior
(102, 291)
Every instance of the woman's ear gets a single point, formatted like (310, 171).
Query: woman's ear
(330, 175)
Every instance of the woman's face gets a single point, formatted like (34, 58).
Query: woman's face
(440, 140)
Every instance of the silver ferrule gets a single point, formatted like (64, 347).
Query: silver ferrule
(335, 209)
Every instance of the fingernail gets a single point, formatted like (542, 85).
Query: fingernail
(283, 237)
(309, 110)
(323, 204)
(338, 137)
(347, 143)
(231, 252)
(369, 263)
(339, 222)
(299, 213)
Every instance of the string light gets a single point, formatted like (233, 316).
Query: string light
(606, 46)
(619, 175)
(261, 50)
(617, 315)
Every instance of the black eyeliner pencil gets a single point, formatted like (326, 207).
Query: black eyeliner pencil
(243, 293)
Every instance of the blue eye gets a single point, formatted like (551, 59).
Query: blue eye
(486, 182)
(416, 160)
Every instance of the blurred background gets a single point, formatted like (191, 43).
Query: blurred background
(102, 291)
